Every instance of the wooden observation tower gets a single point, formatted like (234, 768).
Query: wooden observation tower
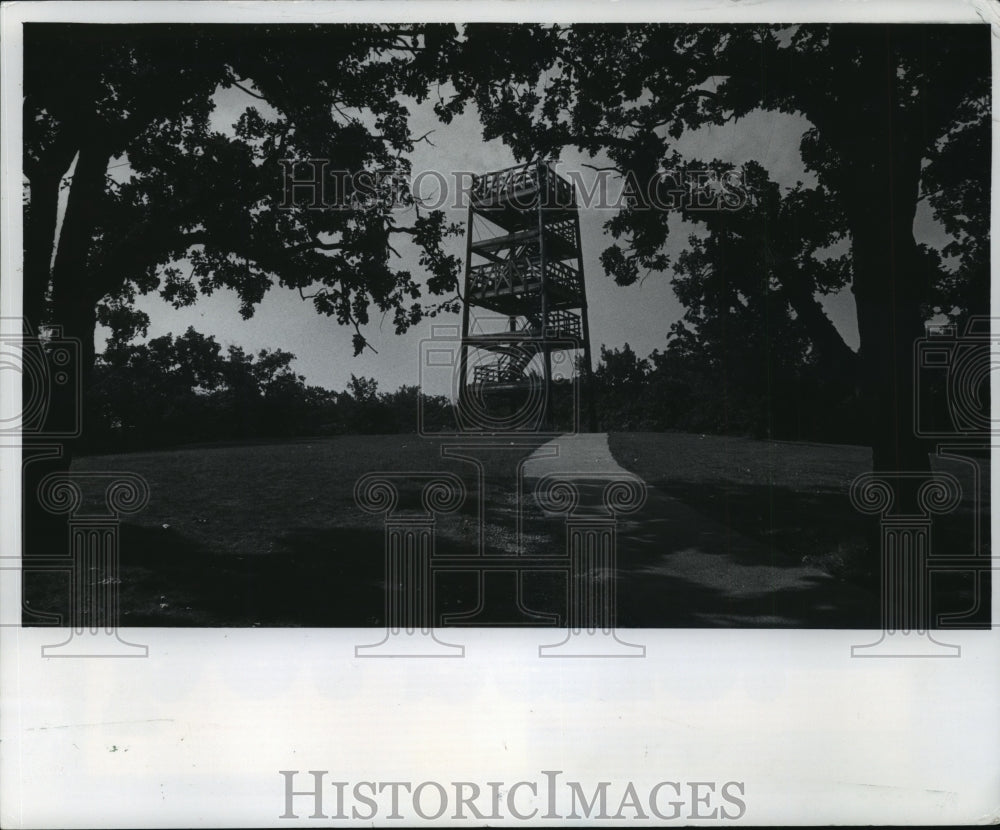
(525, 301)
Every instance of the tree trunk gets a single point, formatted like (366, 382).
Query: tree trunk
(42, 533)
(74, 300)
(888, 329)
(880, 152)
(44, 168)
(39, 237)
(838, 361)
(881, 156)
(888, 292)
(74, 311)
(889, 322)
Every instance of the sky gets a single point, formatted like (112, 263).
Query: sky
(640, 315)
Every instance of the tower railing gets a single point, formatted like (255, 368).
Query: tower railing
(561, 232)
(498, 185)
(521, 275)
(562, 324)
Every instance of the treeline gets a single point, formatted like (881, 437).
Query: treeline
(188, 389)
(751, 392)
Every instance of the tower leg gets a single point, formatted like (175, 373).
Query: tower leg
(584, 313)
(544, 302)
(547, 425)
(588, 372)
(463, 359)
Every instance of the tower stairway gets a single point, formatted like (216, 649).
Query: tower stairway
(525, 274)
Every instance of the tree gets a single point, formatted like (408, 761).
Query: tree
(754, 329)
(186, 389)
(203, 209)
(214, 201)
(620, 387)
(153, 394)
(882, 100)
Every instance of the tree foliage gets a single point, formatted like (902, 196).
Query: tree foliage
(897, 114)
(188, 389)
(202, 207)
(894, 110)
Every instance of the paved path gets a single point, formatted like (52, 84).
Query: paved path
(584, 453)
(678, 567)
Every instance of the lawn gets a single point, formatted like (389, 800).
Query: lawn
(270, 534)
(791, 495)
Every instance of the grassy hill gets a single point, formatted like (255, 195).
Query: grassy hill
(270, 534)
(790, 495)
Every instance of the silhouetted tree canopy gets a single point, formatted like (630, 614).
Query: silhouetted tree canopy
(897, 112)
(202, 208)
(187, 389)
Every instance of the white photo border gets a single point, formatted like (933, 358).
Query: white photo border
(196, 734)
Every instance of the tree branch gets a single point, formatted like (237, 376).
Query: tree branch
(357, 329)
(248, 91)
(425, 138)
(313, 244)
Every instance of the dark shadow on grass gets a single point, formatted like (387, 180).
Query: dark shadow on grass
(650, 600)
(330, 578)
(781, 528)
(310, 578)
(335, 577)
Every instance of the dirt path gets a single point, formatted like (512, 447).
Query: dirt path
(677, 567)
